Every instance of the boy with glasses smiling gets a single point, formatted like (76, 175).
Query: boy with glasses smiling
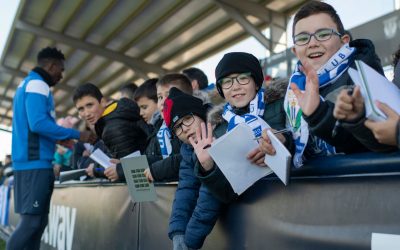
(194, 210)
(239, 79)
(325, 54)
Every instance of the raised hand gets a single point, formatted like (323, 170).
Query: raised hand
(385, 132)
(309, 100)
(349, 107)
(201, 143)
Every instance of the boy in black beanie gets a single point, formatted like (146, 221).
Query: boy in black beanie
(183, 114)
(239, 79)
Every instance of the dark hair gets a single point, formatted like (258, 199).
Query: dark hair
(396, 57)
(347, 32)
(316, 7)
(87, 89)
(48, 54)
(129, 89)
(196, 74)
(147, 89)
(179, 80)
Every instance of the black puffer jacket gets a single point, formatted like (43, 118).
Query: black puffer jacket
(122, 130)
(163, 170)
(351, 137)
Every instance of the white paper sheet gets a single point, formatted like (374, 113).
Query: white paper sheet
(101, 158)
(230, 154)
(280, 162)
(375, 87)
(134, 154)
(89, 147)
(381, 241)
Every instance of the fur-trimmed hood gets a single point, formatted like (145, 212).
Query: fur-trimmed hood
(275, 91)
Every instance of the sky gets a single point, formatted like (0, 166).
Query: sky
(352, 13)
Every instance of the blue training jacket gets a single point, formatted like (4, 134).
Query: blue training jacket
(34, 130)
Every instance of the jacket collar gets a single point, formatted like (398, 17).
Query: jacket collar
(46, 76)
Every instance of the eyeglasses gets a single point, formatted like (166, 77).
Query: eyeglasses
(321, 35)
(186, 121)
(242, 79)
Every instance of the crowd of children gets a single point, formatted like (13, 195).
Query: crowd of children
(173, 121)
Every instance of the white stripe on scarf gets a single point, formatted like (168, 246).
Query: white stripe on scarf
(253, 118)
(164, 139)
(327, 74)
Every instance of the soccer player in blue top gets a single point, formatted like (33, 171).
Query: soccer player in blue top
(34, 137)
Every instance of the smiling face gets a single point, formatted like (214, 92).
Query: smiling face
(147, 108)
(238, 95)
(190, 130)
(90, 109)
(317, 53)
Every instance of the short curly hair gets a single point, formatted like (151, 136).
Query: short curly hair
(49, 53)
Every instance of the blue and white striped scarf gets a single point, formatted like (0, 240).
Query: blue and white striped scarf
(253, 118)
(164, 139)
(327, 74)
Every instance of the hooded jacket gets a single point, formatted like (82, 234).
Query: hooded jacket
(163, 170)
(351, 137)
(274, 115)
(122, 130)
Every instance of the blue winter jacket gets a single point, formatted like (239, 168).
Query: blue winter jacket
(34, 130)
(194, 210)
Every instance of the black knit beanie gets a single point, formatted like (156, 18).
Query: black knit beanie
(238, 62)
(179, 104)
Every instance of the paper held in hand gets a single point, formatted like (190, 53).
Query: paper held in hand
(375, 87)
(280, 162)
(230, 154)
(140, 189)
(101, 158)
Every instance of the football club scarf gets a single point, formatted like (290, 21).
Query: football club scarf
(327, 74)
(253, 118)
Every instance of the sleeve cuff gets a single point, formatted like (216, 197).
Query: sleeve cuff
(318, 114)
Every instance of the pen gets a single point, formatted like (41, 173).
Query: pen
(338, 123)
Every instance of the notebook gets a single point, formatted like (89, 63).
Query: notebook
(375, 87)
(230, 154)
(280, 162)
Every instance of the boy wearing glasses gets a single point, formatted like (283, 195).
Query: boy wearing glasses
(239, 78)
(325, 54)
(194, 210)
